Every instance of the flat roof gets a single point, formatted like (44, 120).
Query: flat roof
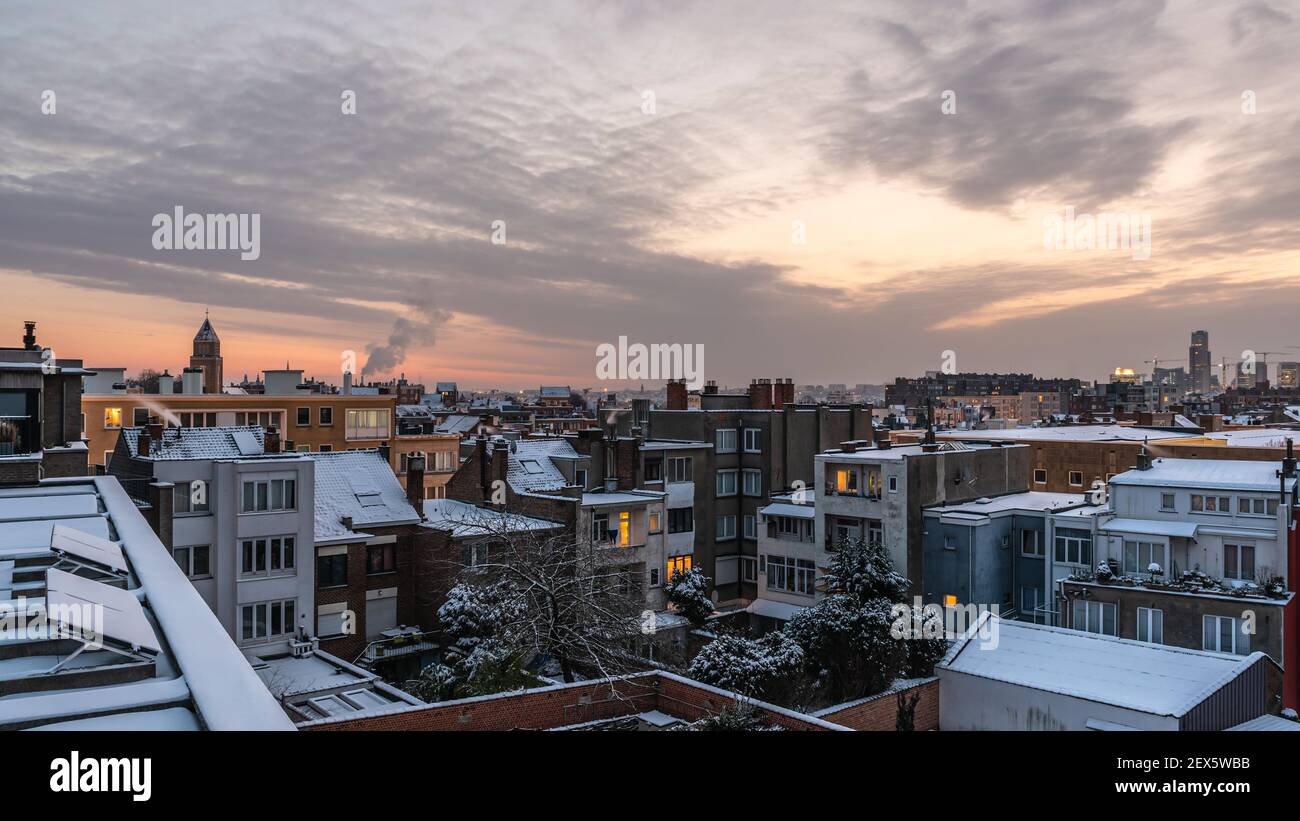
(1036, 500)
(1149, 678)
(1208, 474)
(1067, 433)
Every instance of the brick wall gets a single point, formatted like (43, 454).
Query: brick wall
(564, 705)
(880, 712)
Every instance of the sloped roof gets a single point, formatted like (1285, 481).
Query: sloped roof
(1150, 678)
(530, 469)
(360, 484)
(206, 332)
(465, 519)
(201, 443)
(458, 423)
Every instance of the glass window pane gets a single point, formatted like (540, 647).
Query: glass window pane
(200, 561)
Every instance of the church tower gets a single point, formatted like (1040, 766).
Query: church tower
(207, 355)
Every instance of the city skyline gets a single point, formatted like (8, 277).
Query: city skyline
(667, 195)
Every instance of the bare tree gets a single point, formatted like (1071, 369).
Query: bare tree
(564, 599)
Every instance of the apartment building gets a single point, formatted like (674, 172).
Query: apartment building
(40, 427)
(669, 467)
(373, 590)
(308, 422)
(791, 560)
(1196, 554)
(236, 514)
(755, 453)
(878, 493)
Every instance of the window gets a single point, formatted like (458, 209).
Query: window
(1074, 546)
(656, 521)
(726, 526)
(267, 556)
(677, 564)
(139, 417)
(381, 558)
(367, 423)
(531, 466)
(1211, 504)
(776, 573)
(304, 417)
(1224, 634)
(600, 528)
(624, 528)
(751, 526)
(654, 577)
(326, 415)
(404, 461)
(580, 478)
(893, 484)
(332, 571)
(473, 554)
(1094, 617)
(805, 577)
(195, 561)
(753, 482)
(1029, 599)
(726, 483)
(748, 569)
(1076, 478)
(681, 519)
(846, 481)
(191, 497)
(654, 470)
(1167, 502)
(1239, 561)
(262, 418)
(326, 448)
(1247, 506)
(266, 620)
(1040, 476)
(679, 469)
(112, 417)
(1031, 543)
(753, 440)
(1139, 556)
(1151, 625)
(725, 440)
(875, 532)
(263, 495)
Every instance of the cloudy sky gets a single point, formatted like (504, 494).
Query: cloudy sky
(778, 182)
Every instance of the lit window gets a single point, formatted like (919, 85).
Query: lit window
(112, 417)
(624, 529)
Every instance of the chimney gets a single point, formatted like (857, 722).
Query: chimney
(1289, 463)
(166, 384)
(153, 427)
(785, 389)
(711, 387)
(271, 441)
(29, 336)
(1143, 459)
(386, 452)
(849, 447)
(347, 383)
(676, 395)
(192, 381)
(415, 482)
(144, 444)
(346, 521)
(760, 394)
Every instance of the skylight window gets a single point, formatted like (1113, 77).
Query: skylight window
(370, 499)
(530, 466)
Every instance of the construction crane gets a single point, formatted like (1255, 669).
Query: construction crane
(1263, 362)
(1154, 362)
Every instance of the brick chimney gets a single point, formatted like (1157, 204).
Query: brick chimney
(144, 444)
(711, 387)
(415, 482)
(271, 441)
(784, 392)
(760, 394)
(676, 395)
(154, 428)
(29, 336)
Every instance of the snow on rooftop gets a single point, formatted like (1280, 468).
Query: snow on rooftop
(200, 443)
(540, 474)
(1068, 433)
(1150, 678)
(1030, 500)
(359, 484)
(465, 519)
(1211, 474)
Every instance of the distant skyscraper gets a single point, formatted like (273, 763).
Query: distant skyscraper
(1288, 375)
(1198, 358)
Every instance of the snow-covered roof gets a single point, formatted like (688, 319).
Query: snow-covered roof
(638, 497)
(1257, 437)
(1150, 527)
(1208, 474)
(200, 443)
(1150, 678)
(414, 412)
(198, 678)
(1033, 500)
(529, 467)
(664, 444)
(359, 484)
(789, 509)
(1269, 723)
(457, 423)
(1068, 433)
(465, 519)
(555, 392)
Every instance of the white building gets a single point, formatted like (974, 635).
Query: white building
(791, 559)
